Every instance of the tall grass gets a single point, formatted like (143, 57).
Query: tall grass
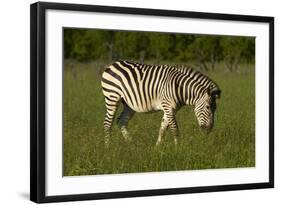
(231, 143)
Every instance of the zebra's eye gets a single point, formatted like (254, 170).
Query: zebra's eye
(208, 107)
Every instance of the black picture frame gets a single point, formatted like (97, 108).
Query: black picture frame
(38, 101)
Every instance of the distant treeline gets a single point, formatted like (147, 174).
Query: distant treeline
(204, 50)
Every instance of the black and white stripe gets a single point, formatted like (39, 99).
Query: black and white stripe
(146, 88)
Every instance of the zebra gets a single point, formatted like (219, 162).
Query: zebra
(148, 88)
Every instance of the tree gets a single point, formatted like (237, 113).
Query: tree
(206, 50)
(233, 49)
(182, 51)
(160, 45)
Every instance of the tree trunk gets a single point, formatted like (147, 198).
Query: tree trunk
(201, 60)
(110, 54)
(229, 65)
(213, 60)
(158, 56)
(236, 62)
(109, 45)
(73, 71)
(142, 55)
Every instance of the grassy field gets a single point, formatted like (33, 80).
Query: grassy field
(231, 143)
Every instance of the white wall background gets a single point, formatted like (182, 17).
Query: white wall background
(14, 100)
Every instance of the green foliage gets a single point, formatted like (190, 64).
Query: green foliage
(230, 144)
(235, 49)
(205, 50)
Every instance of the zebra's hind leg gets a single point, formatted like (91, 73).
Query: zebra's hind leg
(163, 128)
(123, 120)
(111, 105)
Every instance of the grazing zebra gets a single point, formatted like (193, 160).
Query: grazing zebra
(146, 88)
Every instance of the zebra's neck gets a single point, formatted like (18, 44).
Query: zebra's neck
(193, 85)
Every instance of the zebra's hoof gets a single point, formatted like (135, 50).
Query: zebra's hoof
(128, 139)
(106, 145)
(158, 143)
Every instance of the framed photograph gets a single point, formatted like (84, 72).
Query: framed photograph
(129, 102)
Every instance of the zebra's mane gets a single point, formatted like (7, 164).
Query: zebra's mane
(188, 70)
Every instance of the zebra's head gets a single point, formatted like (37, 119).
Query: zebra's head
(205, 108)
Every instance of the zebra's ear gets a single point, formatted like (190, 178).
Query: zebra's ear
(215, 92)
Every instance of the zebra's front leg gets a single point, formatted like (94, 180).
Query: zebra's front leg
(123, 120)
(172, 122)
(163, 128)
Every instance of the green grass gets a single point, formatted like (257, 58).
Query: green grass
(231, 143)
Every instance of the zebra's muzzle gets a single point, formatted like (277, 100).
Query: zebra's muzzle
(206, 129)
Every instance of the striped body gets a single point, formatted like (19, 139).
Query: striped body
(147, 88)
